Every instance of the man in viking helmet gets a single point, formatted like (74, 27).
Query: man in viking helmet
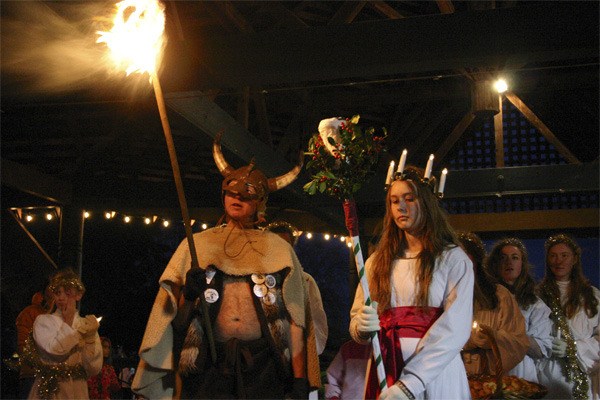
(252, 284)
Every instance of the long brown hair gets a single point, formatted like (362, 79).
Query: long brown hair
(484, 289)
(580, 292)
(435, 233)
(524, 287)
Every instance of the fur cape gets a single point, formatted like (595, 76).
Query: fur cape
(235, 252)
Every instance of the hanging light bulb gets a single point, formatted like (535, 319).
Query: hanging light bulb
(29, 218)
(309, 235)
(327, 236)
(147, 221)
(49, 216)
(204, 226)
(166, 223)
(86, 214)
(127, 219)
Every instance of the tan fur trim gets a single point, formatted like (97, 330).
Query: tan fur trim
(243, 252)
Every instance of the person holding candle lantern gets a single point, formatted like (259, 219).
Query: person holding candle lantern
(508, 263)
(259, 314)
(496, 317)
(64, 348)
(422, 284)
(574, 367)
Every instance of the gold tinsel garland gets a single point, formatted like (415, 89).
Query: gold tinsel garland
(572, 368)
(49, 374)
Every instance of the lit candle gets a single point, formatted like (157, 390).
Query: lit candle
(442, 181)
(402, 162)
(429, 167)
(390, 171)
(558, 333)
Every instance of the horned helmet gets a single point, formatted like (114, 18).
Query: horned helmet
(249, 182)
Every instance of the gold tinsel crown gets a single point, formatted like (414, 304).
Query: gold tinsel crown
(66, 279)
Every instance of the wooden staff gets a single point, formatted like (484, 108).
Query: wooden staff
(162, 109)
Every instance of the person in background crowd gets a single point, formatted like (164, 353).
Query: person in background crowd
(423, 282)
(288, 232)
(105, 385)
(126, 377)
(496, 317)
(252, 284)
(41, 303)
(65, 350)
(347, 371)
(573, 369)
(509, 264)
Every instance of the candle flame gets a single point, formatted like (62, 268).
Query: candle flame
(475, 325)
(136, 39)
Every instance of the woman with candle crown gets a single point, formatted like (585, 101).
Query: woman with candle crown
(574, 367)
(509, 263)
(497, 313)
(423, 282)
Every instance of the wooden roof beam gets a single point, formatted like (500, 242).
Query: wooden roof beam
(544, 130)
(347, 12)
(425, 44)
(385, 9)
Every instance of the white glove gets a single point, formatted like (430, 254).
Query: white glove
(393, 393)
(559, 347)
(367, 318)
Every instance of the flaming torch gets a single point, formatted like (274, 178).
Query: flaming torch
(136, 42)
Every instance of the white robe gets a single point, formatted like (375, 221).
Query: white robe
(538, 327)
(434, 368)
(586, 332)
(58, 342)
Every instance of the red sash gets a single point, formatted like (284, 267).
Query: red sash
(396, 323)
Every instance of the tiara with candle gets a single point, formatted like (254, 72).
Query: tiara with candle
(411, 174)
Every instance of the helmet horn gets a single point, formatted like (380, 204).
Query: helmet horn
(282, 181)
(224, 168)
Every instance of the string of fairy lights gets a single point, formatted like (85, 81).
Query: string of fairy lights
(32, 215)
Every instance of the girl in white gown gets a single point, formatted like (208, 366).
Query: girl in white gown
(509, 263)
(423, 282)
(573, 369)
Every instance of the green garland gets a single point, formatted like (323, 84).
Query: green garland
(571, 366)
(341, 174)
(49, 375)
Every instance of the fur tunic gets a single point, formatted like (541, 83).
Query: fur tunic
(236, 252)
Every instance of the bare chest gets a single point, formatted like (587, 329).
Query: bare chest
(237, 317)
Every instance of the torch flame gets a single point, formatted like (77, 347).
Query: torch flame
(136, 39)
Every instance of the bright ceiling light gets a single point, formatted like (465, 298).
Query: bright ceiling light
(501, 86)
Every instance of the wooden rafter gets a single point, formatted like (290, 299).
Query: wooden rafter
(456, 133)
(499, 136)
(544, 130)
(445, 6)
(347, 12)
(385, 9)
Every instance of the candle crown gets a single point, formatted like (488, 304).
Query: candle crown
(415, 174)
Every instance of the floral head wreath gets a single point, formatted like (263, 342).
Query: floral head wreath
(67, 279)
(513, 242)
(413, 174)
(562, 238)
